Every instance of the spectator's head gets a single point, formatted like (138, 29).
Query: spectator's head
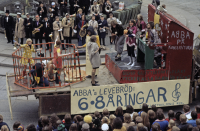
(119, 111)
(111, 118)
(154, 108)
(20, 128)
(57, 18)
(97, 114)
(194, 115)
(93, 17)
(131, 128)
(145, 119)
(117, 123)
(105, 112)
(4, 128)
(177, 116)
(29, 41)
(73, 127)
(145, 107)
(111, 15)
(45, 18)
(80, 11)
(47, 128)
(19, 15)
(183, 118)
(31, 127)
(138, 120)
(135, 115)
(189, 128)
(67, 15)
(129, 109)
(186, 108)
(197, 109)
(140, 17)
(175, 128)
(104, 127)
(68, 118)
(155, 127)
(139, 126)
(127, 118)
(171, 114)
(96, 122)
(79, 125)
(58, 122)
(93, 38)
(53, 4)
(7, 12)
(160, 115)
(37, 18)
(1, 118)
(132, 22)
(151, 114)
(150, 25)
(27, 15)
(142, 129)
(114, 23)
(94, 2)
(105, 120)
(159, 110)
(198, 123)
(102, 17)
(16, 125)
(85, 127)
(195, 129)
(171, 123)
(87, 119)
(53, 120)
(44, 121)
(41, 4)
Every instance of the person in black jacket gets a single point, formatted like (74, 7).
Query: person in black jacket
(28, 24)
(78, 19)
(38, 36)
(63, 6)
(42, 11)
(184, 125)
(102, 29)
(84, 4)
(72, 3)
(8, 25)
(48, 29)
(118, 37)
(53, 11)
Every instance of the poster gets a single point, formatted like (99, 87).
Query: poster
(159, 93)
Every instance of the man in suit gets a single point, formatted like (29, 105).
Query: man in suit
(42, 11)
(102, 29)
(36, 24)
(78, 19)
(63, 6)
(28, 24)
(84, 4)
(19, 28)
(48, 29)
(8, 25)
(53, 11)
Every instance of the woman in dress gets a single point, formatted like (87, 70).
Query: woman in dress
(93, 51)
(131, 41)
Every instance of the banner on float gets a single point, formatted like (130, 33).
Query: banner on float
(159, 93)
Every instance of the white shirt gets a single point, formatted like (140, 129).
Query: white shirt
(7, 18)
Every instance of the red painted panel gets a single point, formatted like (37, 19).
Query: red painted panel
(151, 12)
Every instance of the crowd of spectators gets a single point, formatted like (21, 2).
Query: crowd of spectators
(148, 119)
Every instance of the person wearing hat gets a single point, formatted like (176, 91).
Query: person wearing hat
(53, 10)
(63, 6)
(8, 25)
(102, 30)
(38, 35)
(105, 127)
(95, 10)
(109, 20)
(68, 25)
(85, 127)
(94, 24)
(19, 28)
(48, 29)
(28, 24)
(41, 10)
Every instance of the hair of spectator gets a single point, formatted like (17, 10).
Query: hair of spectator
(73, 127)
(93, 38)
(195, 129)
(131, 128)
(53, 119)
(189, 128)
(135, 115)
(40, 122)
(31, 127)
(58, 43)
(145, 107)
(142, 129)
(67, 118)
(145, 119)
(119, 111)
(183, 118)
(47, 128)
(114, 22)
(139, 126)
(105, 112)
(194, 115)
(171, 123)
(151, 23)
(177, 115)
(140, 17)
(129, 109)
(4, 128)
(155, 127)
(133, 21)
(197, 108)
(127, 118)
(117, 123)
(45, 121)
(16, 125)
(138, 119)
(151, 114)
(111, 118)
(105, 120)
(175, 128)
(154, 108)
(97, 114)
(1, 118)
(160, 115)
(171, 114)
(186, 108)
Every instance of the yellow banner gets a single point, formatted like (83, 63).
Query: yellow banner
(159, 93)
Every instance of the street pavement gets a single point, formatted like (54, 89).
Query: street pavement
(26, 111)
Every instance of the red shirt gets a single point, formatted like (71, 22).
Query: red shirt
(57, 61)
(82, 24)
(198, 116)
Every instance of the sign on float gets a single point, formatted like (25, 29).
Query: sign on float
(159, 93)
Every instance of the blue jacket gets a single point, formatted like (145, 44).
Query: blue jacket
(163, 124)
(3, 123)
(192, 122)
